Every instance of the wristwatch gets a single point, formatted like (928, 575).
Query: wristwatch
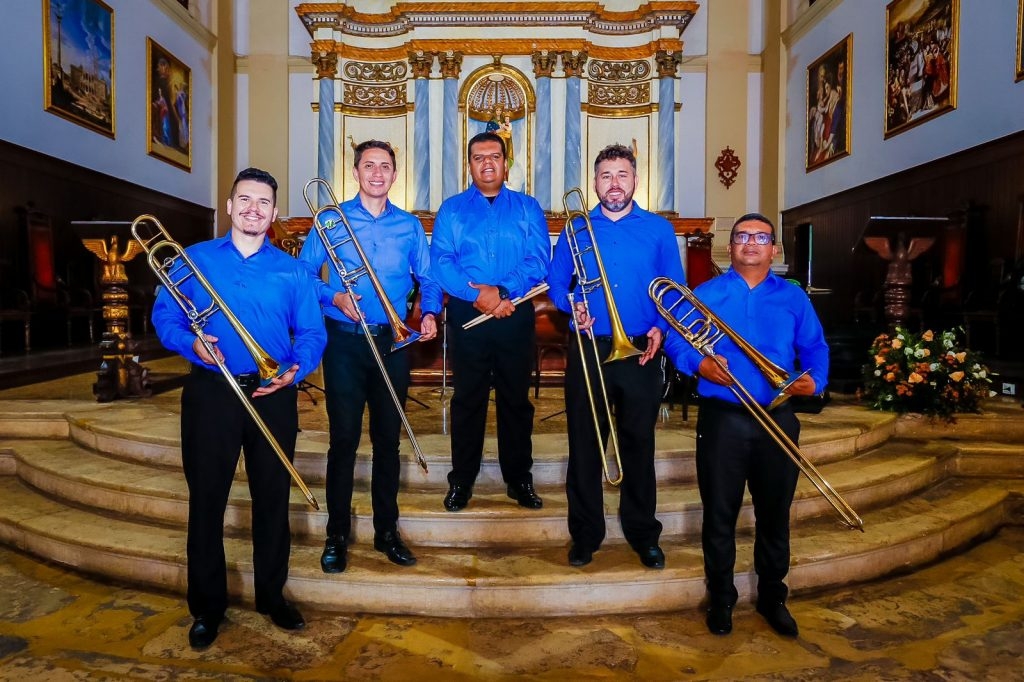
(502, 293)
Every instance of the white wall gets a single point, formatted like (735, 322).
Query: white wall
(24, 122)
(990, 104)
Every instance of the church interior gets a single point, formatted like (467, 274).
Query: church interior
(884, 140)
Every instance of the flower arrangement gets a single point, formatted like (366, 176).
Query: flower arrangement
(926, 373)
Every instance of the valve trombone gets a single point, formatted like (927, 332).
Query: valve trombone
(622, 348)
(702, 331)
(172, 266)
(330, 215)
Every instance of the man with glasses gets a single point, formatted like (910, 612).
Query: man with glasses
(733, 450)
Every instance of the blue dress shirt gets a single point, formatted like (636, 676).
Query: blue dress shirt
(775, 317)
(504, 243)
(395, 245)
(269, 292)
(634, 250)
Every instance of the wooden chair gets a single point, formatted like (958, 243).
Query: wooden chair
(552, 336)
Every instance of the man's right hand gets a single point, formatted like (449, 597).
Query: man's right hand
(200, 349)
(716, 373)
(343, 302)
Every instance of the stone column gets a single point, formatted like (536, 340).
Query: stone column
(325, 59)
(667, 62)
(451, 65)
(543, 65)
(572, 64)
(421, 65)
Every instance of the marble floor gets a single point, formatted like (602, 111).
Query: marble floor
(961, 619)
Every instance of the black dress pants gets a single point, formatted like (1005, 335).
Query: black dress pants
(214, 427)
(498, 353)
(353, 381)
(634, 394)
(733, 450)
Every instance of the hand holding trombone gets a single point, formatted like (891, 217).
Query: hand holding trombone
(701, 328)
(172, 266)
(326, 217)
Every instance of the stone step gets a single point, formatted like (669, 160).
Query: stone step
(503, 581)
(68, 472)
(149, 434)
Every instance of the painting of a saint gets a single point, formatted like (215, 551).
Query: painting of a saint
(828, 105)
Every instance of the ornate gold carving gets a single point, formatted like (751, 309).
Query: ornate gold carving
(573, 62)
(617, 71)
(619, 95)
(373, 96)
(376, 72)
(668, 63)
(325, 58)
(543, 63)
(451, 64)
(421, 63)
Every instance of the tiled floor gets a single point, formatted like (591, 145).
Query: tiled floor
(962, 619)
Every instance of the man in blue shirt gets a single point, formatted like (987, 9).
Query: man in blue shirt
(733, 450)
(271, 295)
(636, 246)
(396, 247)
(490, 245)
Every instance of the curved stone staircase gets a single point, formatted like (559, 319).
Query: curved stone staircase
(99, 488)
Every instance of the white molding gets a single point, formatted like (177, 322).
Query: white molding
(808, 19)
(174, 10)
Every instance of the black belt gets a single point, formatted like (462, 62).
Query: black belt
(247, 382)
(730, 406)
(356, 328)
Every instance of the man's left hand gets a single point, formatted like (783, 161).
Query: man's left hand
(653, 344)
(802, 386)
(428, 327)
(277, 382)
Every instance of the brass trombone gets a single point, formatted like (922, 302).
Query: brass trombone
(621, 346)
(172, 267)
(324, 218)
(702, 331)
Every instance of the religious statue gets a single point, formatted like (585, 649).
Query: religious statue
(898, 276)
(501, 125)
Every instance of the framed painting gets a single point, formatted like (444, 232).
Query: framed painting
(78, 56)
(920, 61)
(1020, 33)
(829, 94)
(169, 117)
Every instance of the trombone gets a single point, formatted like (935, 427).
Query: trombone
(702, 332)
(324, 218)
(621, 346)
(172, 267)
(535, 291)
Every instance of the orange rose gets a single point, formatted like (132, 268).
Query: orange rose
(915, 378)
(956, 376)
(892, 377)
(897, 344)
(927, 336)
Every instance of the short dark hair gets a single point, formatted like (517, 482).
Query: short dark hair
(373, 144)
(256, 175)
(485, 137)
(615, 151)
(752, 216)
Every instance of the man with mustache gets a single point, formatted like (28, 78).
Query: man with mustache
(272, 296)
(636, 246)
(733, 450)
(490, 245)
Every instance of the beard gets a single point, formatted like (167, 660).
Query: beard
(616, 206)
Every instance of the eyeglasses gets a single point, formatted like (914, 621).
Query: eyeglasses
(759, 238)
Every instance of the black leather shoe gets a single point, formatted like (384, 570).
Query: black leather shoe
(390, 542)
(719, 619)
(652, 557)
(335, 556)
(203, 631)
(285, 616)
(457, 497)
(579, 555)
(779, 618)
(525, 495)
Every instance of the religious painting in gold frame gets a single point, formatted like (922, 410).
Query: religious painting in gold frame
(169, 107)
(1020, 36)
(921, 46)
(829, 94)
(78, 62)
